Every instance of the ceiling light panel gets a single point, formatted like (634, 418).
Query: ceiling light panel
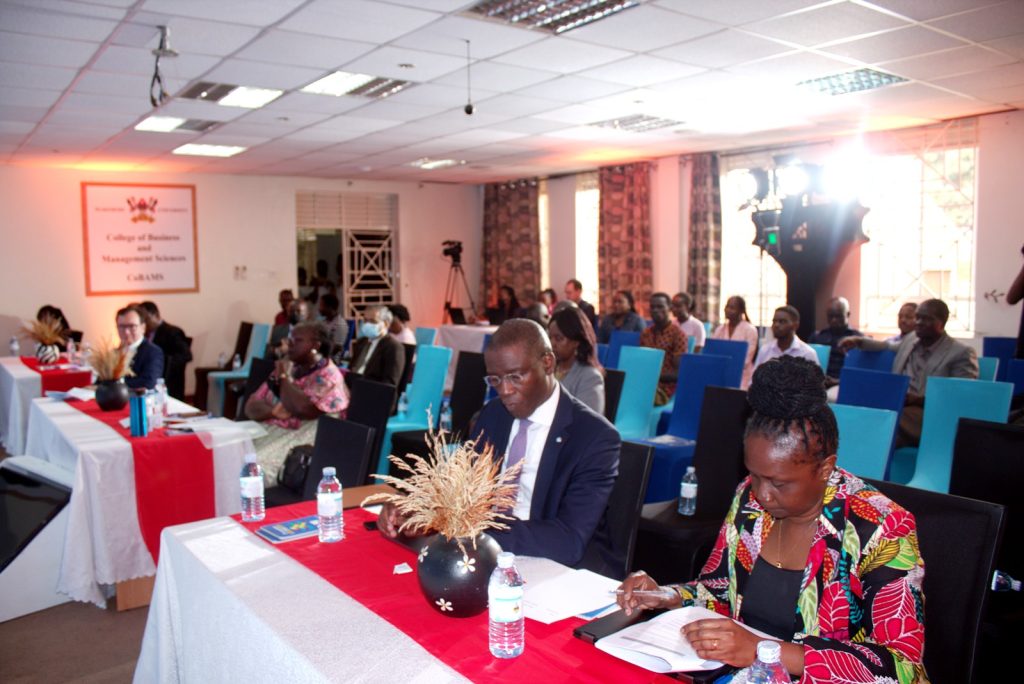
(851, 82)
(429, 164)
(249, 98)
(201, 150)
(637, 123)
(159, 124)
(337, 84)
(554, 16)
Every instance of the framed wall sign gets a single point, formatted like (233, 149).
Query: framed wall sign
(139, 238)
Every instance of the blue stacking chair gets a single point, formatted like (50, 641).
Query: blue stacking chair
(425, 336)
(823, 351)
(947, 400)
(1004, 349)
(1015, 375)
(865, 439)
(872, 389)
(691, 343)
(870, 360)
(736, 350)
(423, 393)
(618, 340)
(673, 451)
(218, 379)
(988, 367)
(643, 368)
(602, 353)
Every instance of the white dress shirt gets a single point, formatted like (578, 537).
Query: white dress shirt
(797, 348)
(694, 329)
(540, 424)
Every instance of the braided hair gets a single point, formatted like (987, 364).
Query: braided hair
(788, 394)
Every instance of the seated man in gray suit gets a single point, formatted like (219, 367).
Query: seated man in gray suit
(926, 351)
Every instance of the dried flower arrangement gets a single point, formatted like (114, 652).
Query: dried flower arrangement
(455, 491)
(47, 331)
(111, 362)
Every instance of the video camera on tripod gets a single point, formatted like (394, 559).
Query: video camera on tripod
(453, 249)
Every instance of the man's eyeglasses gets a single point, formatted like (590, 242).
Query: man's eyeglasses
(129, 326)
(514, 379)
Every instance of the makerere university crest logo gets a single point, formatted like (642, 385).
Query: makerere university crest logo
(142, 209)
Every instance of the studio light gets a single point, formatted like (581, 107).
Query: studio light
(792, 180)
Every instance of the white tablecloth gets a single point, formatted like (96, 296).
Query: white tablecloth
(104, 545)
(462, 338)
(19, 385)
(227, 607)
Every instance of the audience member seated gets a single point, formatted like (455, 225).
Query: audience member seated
(148, 362)
(285, 299)
(376, 355)
(538, 313)
(507, 307)
(337, 327)
(559, 506)
(304, 386)
(549, 298)
(576, 364)
(904, 321)
(786, 343)
(574, 293)
(623, 316)
(928, 351)
(663, 334)
(737, 327)
(50, 311)
(299, 311)
(838, 316)
(808, 552)
(400, 329)
(687, 322)
(175, 345)
(320, 284)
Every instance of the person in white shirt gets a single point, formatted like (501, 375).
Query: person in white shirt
(688, 323)
(337, 326)
(786, 343)
(400, 329)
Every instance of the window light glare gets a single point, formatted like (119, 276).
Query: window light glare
(337, 84)
(202, 150)
(160, 124)
(250, 98)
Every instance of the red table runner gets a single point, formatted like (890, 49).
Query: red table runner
(56, 379)
(174, 481)
(361, 566)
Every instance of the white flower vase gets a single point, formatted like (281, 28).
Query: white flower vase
(47, 353)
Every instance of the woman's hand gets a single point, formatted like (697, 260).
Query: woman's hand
(283, 369)
(723, 640)
(389, 520)
(630, 600)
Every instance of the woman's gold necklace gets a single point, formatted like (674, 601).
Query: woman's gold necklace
(778, 558)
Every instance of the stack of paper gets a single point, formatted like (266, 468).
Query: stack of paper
(554, 592)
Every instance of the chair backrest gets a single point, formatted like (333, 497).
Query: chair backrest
(613, 381)
(947, 400)
(696, 371)
(428, 382)
(602, 353)
(736, 350)
(468, 390)
(407, 369)
(643, 368)
(823, 351)
(242, 340)
(988, 368)
(618, 340)
(718, 456)
(691, 343)
(258, 340)
(1015, 375)
(425, 336)
(259, 371)
(370, 404)
(873, 389)
(346, 446)
(865, 439)
(959, 540)
(870, 360)
(1003, 348)
(622, 515)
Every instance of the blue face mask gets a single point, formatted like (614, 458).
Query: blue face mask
(369, 330)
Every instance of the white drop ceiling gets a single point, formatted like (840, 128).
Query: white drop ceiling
(74, 81)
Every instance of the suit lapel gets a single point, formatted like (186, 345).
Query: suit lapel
(549, 458)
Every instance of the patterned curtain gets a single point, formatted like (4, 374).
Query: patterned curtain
(704, 272)
(511, 241)
(624, 235)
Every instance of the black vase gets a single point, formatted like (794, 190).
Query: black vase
(455, 584)
(111, 395)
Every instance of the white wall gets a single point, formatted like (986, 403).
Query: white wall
(242, 220)
(562, 242)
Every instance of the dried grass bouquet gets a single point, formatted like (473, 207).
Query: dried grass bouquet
(111, 362)
(46, 332)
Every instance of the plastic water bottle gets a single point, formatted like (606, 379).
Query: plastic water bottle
(507, 632)
(688, 492)
(161, 403)
(222, 360)
(72, 352)
(768, 668)
(15, 346)
(446, 416)
(252, 490)
(236, 362)
(328, 507)
(403, 403)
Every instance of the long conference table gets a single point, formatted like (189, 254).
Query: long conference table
(20, 383)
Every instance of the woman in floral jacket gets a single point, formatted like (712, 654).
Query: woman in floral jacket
(807, 553)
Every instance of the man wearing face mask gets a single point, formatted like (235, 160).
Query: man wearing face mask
(376, 355)
(298, 312)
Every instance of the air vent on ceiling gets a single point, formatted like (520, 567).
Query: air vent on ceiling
(554, 16)
(851, 82)
(637, 123)
(198, 125)
(380, 88)
(205, 90)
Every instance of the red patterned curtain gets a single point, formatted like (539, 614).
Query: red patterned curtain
(511, 240)
(624, 235)
(704, 272)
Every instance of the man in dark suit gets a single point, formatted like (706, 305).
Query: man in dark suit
(569, 460)
(574, 293)
(376, 355)
(148, 362)
(299, 310)
(176, 346)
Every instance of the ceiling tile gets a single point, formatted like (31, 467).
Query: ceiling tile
(641, 70)
(19, 127)
(253, 12)
(922, 10)
(399, 111)
(89, 102)
(198, 36)
(563, 55)
(30, 97)
(386, 60)
(487, 38)
(723, 49)
(1011, 45)
(281, 117)
(571, 89)
(262, 75)
(38, 50)
(950, 63)
(987, 23)
(979, 82)
(509, 77)
(576, 114)
(303, 49)
(898, 44)
(111, 9)
(13, 112)
(826, 24)
(644, 28)
(124, 85)
(120, 59)
(792, 68)
(361, 20)
(308, 102)
(198, 109)
(530, 125)
(34, 76)
(518, 105)
(38, 21)
(735, 12)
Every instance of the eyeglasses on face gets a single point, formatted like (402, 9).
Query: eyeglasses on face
(513, 379)
(128, 326)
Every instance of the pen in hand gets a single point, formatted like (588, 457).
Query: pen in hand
(668, 593)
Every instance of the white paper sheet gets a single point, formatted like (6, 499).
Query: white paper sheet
(554, 591)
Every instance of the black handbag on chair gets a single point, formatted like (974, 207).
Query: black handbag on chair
(292, 475)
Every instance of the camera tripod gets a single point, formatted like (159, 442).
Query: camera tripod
(455, 273)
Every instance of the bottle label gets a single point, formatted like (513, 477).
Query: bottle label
(328, 504)
(688, 490)
(505, 603)
(252, 487)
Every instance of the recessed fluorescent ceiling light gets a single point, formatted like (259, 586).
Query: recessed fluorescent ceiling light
(851, 82)
(362, 85)
(637, 123)
(162, 124)
(428, 164)
(554, 16)
(202, 150)
(250, 98)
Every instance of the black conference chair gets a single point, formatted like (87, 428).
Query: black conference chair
(370, 404)
(239, 393)
(202, 373)
(671, 547)
(959, 540)
(988, 464)
(339, 443)
(622, 516)
(613, 381)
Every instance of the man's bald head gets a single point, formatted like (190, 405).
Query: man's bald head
(522, 332)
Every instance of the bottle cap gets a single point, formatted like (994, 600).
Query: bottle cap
(769, 651)
(691, 469)
(329, 471)
(506, 559)
(250, 458)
